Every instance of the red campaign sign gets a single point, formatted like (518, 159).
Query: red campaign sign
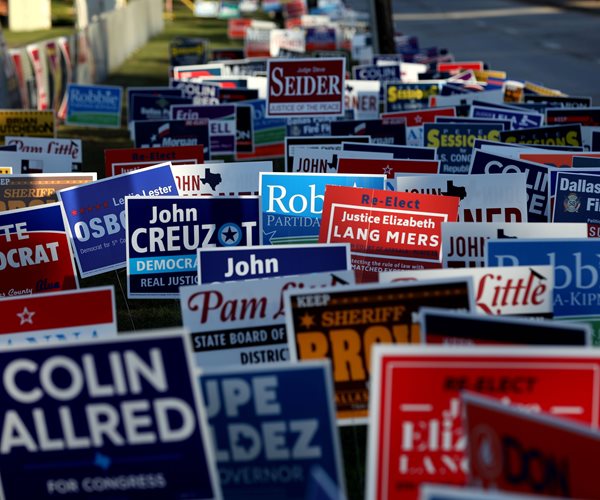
(236, 28)
(525, 452)
(421, 116)
(306, 87)
(388, 167)
(120, 161)
(458, 66)
(68, 309)
(416, 433)
(387, 231)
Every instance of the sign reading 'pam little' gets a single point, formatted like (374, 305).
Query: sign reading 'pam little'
(306, 87)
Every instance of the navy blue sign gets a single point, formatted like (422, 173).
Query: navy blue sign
(537, 180)
(558, 135)
(185, 51)
(153, 107)
(155, 91)
(266, 420)
(303, 126)
(388, 131)
(380, 73)
(168, 133)
(104, 419)
(163, 235)
(95, 215)
(401, 96)
(237, 264)
(454, 143)
(576, 270)
(577, 199)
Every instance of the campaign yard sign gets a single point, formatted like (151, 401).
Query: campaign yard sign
(269, 133)
(240, 263)
(169, 133)
(30, 123)
(94, 105)
(577, 199)
(105, 418)
(556, 135)
(154, 107)
(518, 290)
(69, 148)
(94, 215)
(506, 443)
(464, 244)
(305, 87)
(292, 203)
(236, 324)
(30, 190)
(342, 324)
(164, 233)
(120, 161)
(220, 179)
(35, 256)
(67, 316)
(576, 272)
(537, 179)
(441, 326)
(518, 119)
(445, 492)
(416, 429)
(263, 419)
(221, 124)
(386, 230)
(407, 96)
(454, 143)
(483, 198)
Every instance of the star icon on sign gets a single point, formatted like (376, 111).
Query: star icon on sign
(26, 316)
(418, 119)
(230, 234)
(387, 170)
(307, 320)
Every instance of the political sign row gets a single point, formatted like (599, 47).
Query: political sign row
(402, 242)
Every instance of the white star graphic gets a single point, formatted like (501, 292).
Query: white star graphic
(26, 316)
(418, 119)
(387, 170)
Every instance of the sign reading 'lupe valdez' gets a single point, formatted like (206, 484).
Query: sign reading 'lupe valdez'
(306, 87)
(163, 234)
(252, 408)
(35, 256)
(95, 215)
(105, 419)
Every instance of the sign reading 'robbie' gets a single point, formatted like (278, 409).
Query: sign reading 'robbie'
(308, 87)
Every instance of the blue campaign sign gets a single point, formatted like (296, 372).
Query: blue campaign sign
(291, 204)
(380, 73)
(168, 133)
(576, 269)
(154, 107)
(221, 124)
(94, 105)
(577, 198)
(302, 126)
(163, 235)
(105, 419)
(94, 214)
(155, 91)
(237, 264)
(518, 119)
(537, 180)
(263, 419)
